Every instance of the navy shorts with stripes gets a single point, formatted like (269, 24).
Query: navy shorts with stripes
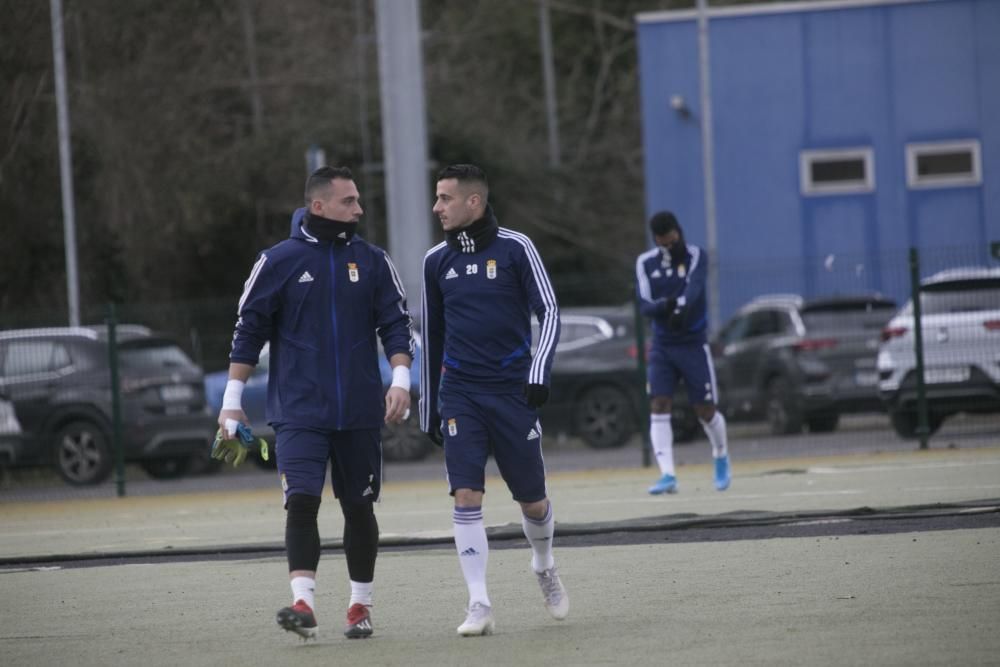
(476, 425)
(692, 363)
(355, 459)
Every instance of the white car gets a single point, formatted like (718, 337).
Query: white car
(960, 310)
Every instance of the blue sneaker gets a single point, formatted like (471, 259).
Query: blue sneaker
(666, 484)
(722, 478)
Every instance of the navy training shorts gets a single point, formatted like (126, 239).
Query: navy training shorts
(355, 459)
(691, 362)
(474, 425)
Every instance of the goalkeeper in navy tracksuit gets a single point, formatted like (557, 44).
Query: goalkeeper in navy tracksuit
(670, 280)
(481, 385)
(320, 297)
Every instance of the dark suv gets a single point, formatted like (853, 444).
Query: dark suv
(59, 383)
(801, 363)
(597, 393)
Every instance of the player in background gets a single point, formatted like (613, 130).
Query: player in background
(670, 281)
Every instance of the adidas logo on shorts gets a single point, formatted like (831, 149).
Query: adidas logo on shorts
(533, 434)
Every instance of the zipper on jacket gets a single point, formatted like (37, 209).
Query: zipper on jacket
(336, 349)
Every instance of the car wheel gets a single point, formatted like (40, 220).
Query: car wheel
(783, 414)
(171, 467)
(83, 455)
(405, 441)
(603, 417)
(904, 422)
(823, 423)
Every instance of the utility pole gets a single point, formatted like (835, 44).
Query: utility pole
(65, 163)
(404, 138)
(551, 110)
(708, 167)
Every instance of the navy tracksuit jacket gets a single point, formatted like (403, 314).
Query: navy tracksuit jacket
(659, 278)
(483, 344)
(320, 304)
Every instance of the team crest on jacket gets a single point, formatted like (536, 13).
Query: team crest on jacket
(452, 427)
(352, 271)
(491, 269)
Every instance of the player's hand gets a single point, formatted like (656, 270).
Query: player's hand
(232, 446)
(435, 434)
(397, 405)
(226, 419)
(678, 320)
(669, 305)
(536, 394)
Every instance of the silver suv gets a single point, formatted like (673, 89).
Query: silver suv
(960, 309)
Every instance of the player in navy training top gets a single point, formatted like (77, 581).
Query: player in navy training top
(481, 384)
(320, 298)
(670, 280)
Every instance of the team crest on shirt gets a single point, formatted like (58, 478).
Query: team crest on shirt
(681, 272)
(491, 269)
(352, 271)
(452, 428)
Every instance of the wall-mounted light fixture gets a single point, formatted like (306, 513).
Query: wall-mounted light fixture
(679, 104)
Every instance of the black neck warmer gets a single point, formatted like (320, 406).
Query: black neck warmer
(475, 237)
(328, 230)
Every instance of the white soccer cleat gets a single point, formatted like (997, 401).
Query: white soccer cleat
(556, 599)
(478, 621)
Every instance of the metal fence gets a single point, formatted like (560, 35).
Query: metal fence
(810, 352)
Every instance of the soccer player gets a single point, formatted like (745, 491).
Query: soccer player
(670, 280)
(319, 297)
(481, 385)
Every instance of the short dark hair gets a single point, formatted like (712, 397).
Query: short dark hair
(664, 222)
(464, 173)
(320, 179)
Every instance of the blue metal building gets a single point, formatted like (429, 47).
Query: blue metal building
(845, 131)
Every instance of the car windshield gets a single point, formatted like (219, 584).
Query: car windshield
(960, 296)
(845, 316)
(153, 356)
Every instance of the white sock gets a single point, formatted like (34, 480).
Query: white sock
(716, 432)
(473, 551)
(661, 435)
(304, 588)
(539, 533)
(361, 592)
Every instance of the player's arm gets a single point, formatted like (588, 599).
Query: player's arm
(432, 313)
(649, 306)
(542, 301)
(396, 331)
(254, 322)
(696, 277)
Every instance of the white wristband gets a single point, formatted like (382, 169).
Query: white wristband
(401, 377)
(233, 398)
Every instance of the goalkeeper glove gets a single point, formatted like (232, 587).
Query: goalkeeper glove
(236, 450)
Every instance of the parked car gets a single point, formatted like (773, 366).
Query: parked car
(960, 310)
(400, 442)
(597, 393)
(11, 440)
(58, 381)
(801, 363)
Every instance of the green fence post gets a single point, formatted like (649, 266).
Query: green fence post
(640, 356)
(116, 407)
(918, 339)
